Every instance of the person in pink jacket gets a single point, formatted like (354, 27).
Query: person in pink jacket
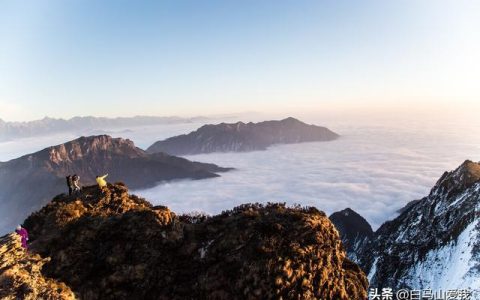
(24, 235)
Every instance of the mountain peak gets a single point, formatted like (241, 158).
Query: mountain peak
(102, 139)
(102, 146)
(241, 137)
(353, 228)
(469, 170)
(348, 211)
(104, 142)
(291, 120)
(467, 174)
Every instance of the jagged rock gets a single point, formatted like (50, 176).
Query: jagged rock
(112, 245)
(451, 183)
(28, 182)
(241, 137)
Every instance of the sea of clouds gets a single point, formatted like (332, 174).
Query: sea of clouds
(375, 168)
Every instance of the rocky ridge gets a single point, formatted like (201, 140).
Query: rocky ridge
(113, 245)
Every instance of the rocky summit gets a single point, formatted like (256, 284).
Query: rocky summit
(113, 245)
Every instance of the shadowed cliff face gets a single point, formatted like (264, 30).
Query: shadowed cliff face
(354, 230)
(112, 245)
(28, 182)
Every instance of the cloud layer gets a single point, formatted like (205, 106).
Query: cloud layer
(375, 167)
(375, 170)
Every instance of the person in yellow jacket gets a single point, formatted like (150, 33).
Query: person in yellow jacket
(101, 181)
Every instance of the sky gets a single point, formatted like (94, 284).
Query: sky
(124, 58)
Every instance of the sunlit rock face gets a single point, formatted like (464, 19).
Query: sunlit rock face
(21, 277)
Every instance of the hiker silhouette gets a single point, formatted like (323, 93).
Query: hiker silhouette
(69, 184)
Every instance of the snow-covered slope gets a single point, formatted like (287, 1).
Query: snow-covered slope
(435, 243)
(451, 266)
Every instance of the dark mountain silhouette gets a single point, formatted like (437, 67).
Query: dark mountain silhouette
(45, 126)
(434, 243)
(241, 137)
(354, 230)
(27, 182)
(112, 245)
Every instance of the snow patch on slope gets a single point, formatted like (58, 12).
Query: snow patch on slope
(450, 266)
(373, 270)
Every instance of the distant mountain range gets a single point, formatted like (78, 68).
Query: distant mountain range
(13, 130)
(26, 183)
(433, 244)
(242, 137)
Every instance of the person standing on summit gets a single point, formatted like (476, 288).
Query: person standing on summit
(101, 181)
(76, 184)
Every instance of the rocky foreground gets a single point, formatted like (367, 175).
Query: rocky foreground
(21, 276)
(112, 245)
